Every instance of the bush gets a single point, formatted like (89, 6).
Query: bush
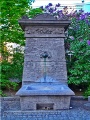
(87, 92)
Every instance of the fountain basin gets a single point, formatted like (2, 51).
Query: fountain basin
(45, 89)
(45, 96)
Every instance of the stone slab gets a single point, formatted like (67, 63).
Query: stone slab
(35, 47)
(10, 103)
(88, 98)
(44, 31)
(35, 70)
(74, 114)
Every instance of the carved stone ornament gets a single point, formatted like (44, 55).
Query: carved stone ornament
(45, 30)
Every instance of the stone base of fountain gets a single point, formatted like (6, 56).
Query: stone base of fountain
(45, 102)
(45, 96)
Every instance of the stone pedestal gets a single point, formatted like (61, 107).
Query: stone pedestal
(44, 34)
(45, 102)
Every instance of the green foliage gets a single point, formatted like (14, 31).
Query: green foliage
(79, 64)
(5, 83)
(16, 66)
(87, 92)
(11, 70)
(11, 11)
(2, 94)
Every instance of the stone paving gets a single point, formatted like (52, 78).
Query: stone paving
(11, 111)
(71, 114)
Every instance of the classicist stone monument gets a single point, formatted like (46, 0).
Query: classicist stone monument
(44, 83)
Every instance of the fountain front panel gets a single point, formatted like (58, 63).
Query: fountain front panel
(44, 83)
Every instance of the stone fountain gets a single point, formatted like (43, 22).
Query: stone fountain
(44, 83)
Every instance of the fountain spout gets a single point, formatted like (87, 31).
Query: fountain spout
(45, 55)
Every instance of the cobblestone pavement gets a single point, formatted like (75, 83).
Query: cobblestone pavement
(72, 114)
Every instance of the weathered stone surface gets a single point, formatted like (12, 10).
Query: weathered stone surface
(42, 20)
(34, 64)
(36, 46)
(74, 114)
(44, 31)
(60, 102)
(35, 70)
(10, 103)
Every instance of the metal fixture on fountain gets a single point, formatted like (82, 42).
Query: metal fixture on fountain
(45, 55)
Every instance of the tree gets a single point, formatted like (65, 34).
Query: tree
(11, 12)
(77, 45)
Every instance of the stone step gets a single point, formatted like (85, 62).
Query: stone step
(72, 114)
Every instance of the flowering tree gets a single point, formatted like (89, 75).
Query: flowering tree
(77, 44)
